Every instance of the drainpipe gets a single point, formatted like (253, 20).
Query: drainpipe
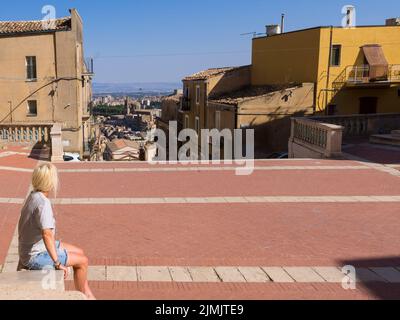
(328, 70)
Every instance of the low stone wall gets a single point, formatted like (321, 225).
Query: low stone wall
(363, 125)
(38, 135)
(315, 140)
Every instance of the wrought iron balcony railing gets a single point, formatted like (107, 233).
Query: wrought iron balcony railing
(361, 75)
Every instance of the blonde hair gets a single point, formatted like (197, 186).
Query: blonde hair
(45, 178)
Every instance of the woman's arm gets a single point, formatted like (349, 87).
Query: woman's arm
(50, 243)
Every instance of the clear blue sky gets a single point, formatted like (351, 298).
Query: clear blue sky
(163, 40)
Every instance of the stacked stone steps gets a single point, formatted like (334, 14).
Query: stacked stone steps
(392, 139)
(35, 285)
(396, 133)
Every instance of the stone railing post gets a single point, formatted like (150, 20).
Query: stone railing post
(291, 139)
(334, 141)
(313, 139)
(150, 152)
(57, 150)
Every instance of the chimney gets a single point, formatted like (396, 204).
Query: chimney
(283, 23)
(273, 29)
(350, 17)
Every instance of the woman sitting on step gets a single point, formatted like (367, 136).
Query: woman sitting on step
(38, 248)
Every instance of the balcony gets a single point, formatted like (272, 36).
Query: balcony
(365, 76)
(185, 104)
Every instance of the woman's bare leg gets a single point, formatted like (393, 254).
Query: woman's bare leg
(71, 248)
(80, 265)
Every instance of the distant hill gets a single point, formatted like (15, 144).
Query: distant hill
(135, 89)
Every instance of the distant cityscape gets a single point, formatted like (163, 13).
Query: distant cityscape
(134, 90)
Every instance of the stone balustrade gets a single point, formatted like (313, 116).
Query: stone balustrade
(313, 139)
(26, 133)
(363, 125)
(49, 135)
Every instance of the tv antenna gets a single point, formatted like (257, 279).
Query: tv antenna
(254, 34)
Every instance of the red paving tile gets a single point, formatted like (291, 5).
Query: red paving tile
(233, 235)
(225, 234)
(221, 183)
(226, 291)
(18, 161)
(9, 215)
(108, 165)
(14, 184)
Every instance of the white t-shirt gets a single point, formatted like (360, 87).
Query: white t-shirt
(36, 216)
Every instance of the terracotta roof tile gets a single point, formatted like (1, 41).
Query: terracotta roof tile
(173, 97)
(249, 93)
(21, 27)
(119, 144)
(209, 73)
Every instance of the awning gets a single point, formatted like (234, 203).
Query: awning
(379, 67)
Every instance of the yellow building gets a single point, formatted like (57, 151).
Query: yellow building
(202, 86)
(355, 70)
(44, 80)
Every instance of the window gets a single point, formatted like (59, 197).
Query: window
(336, 55)
(187, 93)
(31, 73)
(32, 108)
(197, 94)
(368, 105)
(186, 122)
(197, 125)
(218, 120)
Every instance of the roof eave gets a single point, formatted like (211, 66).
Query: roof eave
(30, 33)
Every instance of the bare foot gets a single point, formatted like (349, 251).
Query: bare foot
(91, 297)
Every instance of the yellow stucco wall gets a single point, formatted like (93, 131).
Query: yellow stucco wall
(14, 87)
(351, 40)
(58, 55)
(303, 56)
(214, 86)
(285, 58)
(268, 115)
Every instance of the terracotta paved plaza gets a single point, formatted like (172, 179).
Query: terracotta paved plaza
(301, 213)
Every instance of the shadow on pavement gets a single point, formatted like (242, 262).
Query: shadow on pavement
(385, 269)
(40, 152)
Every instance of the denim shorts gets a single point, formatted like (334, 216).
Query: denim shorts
(44, 261)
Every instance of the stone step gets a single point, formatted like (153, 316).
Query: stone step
(36, 281)
(396, 133)
(386, 139)
(41, 295)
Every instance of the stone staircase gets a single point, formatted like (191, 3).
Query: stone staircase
(35, 285)
(392, 139)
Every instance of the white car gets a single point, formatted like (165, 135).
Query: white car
(72, 157)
